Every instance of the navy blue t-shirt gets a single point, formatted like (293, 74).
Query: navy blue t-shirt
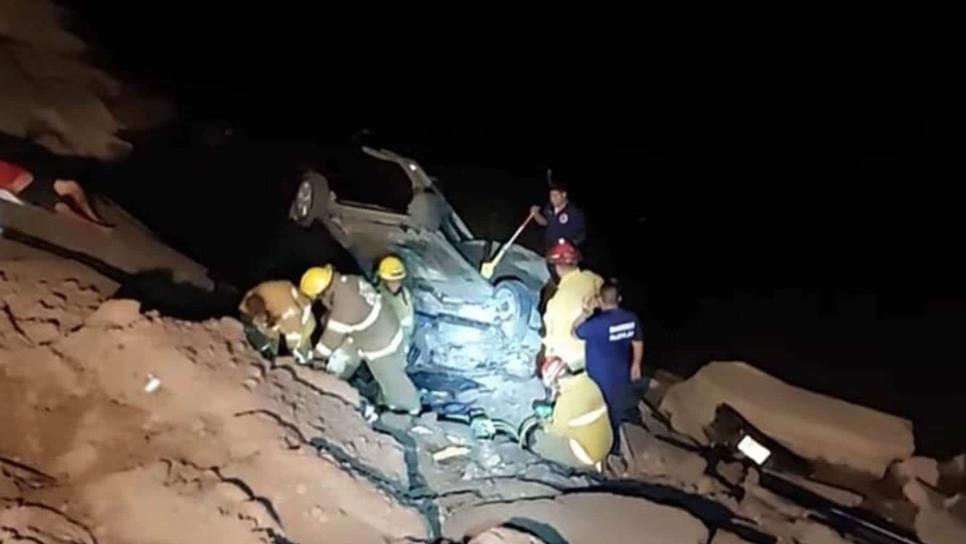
(609, 335)
(568, 224)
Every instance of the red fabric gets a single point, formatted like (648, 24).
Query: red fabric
(9, 173)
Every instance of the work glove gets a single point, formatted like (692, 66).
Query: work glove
(338, 362)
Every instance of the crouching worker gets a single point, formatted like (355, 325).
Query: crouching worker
(391, 274)
(276, 310)
(361, 328)
(578, 432)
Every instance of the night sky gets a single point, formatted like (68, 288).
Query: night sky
(794, 211)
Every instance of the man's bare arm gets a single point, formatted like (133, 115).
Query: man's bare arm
(637, 360)
(537, 214)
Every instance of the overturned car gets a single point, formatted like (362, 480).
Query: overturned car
(475, 340)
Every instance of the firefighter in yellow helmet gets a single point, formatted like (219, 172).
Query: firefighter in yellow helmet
(276, 310)
(391, 273)
(578, 433)
(360, 327)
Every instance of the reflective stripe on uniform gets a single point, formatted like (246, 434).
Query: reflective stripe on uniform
(306, 313)
(293, 337)
(388, 350)
(345, 328)
(323, 350)
(580, 453)
(588, 418)
(338, 326)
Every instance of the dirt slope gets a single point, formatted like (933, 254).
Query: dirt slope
(216, 452)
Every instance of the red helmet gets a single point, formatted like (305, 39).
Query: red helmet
(563, 253)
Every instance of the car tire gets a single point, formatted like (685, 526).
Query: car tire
(320, 195)
(516, 319)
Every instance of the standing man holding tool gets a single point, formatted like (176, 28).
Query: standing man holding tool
(614, 351)
(561, 217)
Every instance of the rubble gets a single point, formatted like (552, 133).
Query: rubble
(123, 423)
(940, 526)
(727, 537)
(582, 518)
(653, 458)
(811, 425)
(915, 468)
(835, 494)
(733, 473)
(952, 474)
(810, 532)
(940, 519)
(759, 502)
(505, 535)
(201, 459)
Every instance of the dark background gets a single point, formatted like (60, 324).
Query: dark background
(800, 213)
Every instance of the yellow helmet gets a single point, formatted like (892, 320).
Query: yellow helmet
(391, 268)
(316, 279)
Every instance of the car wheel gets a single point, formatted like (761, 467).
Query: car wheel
(311, 200)
(515, 303)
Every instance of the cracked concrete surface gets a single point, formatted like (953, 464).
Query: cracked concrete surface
(237, 448)
(183, 462)
(226, 447)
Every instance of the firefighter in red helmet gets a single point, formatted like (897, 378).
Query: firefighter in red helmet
(575, 291)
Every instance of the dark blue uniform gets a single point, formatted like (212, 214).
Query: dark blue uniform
(609, 335)
(568, 224)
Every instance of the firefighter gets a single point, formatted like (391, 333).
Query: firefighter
(566, 306)
(578, 432)
(391, 273)
(361, 327)
(274, 310)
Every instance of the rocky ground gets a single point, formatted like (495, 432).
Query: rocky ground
(123, 426)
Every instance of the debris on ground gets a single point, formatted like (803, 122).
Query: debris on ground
(838, 495)
(124, 422)
(940, 519)
(648, 456)
(915, 468)
(201, 459)
(587, 517)
(813, 426)
(952, 474)
(505, 535)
